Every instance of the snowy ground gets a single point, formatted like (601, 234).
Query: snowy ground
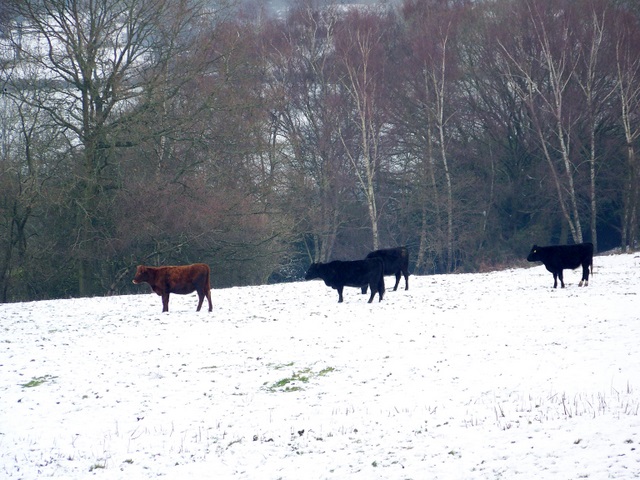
(479, 376)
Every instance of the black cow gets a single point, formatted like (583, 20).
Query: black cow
(396, 262)
(356, 273)
(558, 257)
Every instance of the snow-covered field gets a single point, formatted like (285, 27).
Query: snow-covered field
(474, 376)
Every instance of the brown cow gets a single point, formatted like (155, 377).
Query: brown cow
(182, 280)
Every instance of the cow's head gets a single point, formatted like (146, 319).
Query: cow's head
(534, 254)
(313, 272)
(142, 274)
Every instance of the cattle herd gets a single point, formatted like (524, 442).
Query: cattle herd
(367, 273)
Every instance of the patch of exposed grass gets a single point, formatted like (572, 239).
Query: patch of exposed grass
(283, 365)
(297, 379)
(326, 371)
(97, 466)
(36, 381)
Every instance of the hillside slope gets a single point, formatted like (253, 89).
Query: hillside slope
(470, 376)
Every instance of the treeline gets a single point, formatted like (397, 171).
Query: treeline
(164, 132)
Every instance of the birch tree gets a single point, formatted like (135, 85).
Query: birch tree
(431, 73)
(541, 73)
(360, 47)
(307, 114)
(628, 89)
(596, 91)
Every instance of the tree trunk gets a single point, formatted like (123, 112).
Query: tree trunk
(429, 178)
(439, 83)
(629, 92)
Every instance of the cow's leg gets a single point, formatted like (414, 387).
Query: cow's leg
(364, 289)
(374, 289)
(561, 279)
(200, 299)
(340, 288)
(398, 275)
(381, 288)
(582, 279)
(585, 275)
(406, 280)
(165, 302)
(555, 280)
(209, 299)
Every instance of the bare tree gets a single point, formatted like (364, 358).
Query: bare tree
(31, 160)
(540, 68)
(360, 48)
(438, 80)
(596, 86)
(99, 62)
(628, 89)
(307, 111)
(431, 74)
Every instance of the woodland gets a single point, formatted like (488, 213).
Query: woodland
(259, 140)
